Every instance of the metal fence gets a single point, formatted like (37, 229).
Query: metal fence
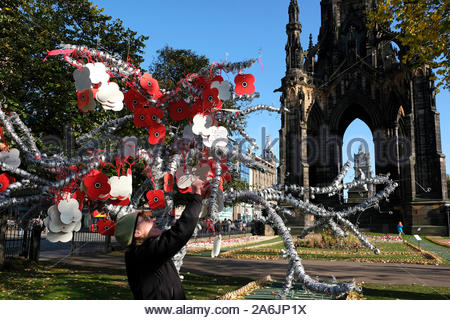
(223, 228)
(17, 241)
(86, 242)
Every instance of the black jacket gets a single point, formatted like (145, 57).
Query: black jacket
(150, 270)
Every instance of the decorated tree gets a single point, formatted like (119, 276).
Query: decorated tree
(186, 139)
(38, 91)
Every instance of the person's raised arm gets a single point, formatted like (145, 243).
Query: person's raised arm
(172, 240)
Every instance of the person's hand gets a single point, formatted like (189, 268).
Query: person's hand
(201, 187)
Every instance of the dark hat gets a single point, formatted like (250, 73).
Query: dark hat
(125, 227)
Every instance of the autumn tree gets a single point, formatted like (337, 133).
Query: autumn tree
(43, 93)
(420, 28)
(171, 65)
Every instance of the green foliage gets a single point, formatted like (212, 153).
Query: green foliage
(422, 28)
(171, 65)
(448, 183)
(43, 93)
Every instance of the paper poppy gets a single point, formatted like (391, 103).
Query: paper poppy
(179, 110)
(133, 99)
(147, 117)
(201, 83)
(106, 227)
(168, 182)
(156, 199)
(211, 99)
(244, 84)
(185, 190)
(79, 195)
(196, 108)
(157, 134)
(149, 84)
(217, 78)
(85, 101)
(97, 185)
(4, 182)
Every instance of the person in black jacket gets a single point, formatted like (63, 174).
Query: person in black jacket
(148, 258)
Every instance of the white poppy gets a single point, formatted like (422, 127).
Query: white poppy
(97, 73)
(110, 97)
(225, 89)
(186, 177)
(11, 157)
(121, 187)
(202, 124)
(69, 210)
(218, 137)
(59, 236)
(82, 80)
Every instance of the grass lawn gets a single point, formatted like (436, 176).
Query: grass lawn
(395, 252)
(404, 292)
(24, 281)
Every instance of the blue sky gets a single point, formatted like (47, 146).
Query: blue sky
(238, 30)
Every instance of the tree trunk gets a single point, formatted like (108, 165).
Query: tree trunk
(3, 224)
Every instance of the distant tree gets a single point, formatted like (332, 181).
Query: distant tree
(421, 28)
(43, 93)
(448, 183)
(171, 65)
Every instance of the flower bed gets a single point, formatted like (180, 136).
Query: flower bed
(202, 245)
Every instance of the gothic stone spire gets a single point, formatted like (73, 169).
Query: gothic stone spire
(294, 51)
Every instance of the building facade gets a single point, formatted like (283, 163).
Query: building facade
(351, 73)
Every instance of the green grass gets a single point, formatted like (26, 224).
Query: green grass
(25, 281)
(390, 252)
(207, 252)
(21, 280)
(404, 292)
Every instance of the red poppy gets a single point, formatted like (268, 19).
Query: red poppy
(168, 182)
(4, 182)
(149, 84)
(178, 110)
(225, 173)
(201, 83)
(186, 190)
(79, 195)
(196, 108)
(157, 134)
(217, 78)
(156, 199)
(147, 117)
(97, 185)
(106, 227)
(245, 84)
(133, 99)
(85, 100)
(211, 99)
(123, 202)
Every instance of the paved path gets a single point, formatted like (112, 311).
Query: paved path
(392, 273)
